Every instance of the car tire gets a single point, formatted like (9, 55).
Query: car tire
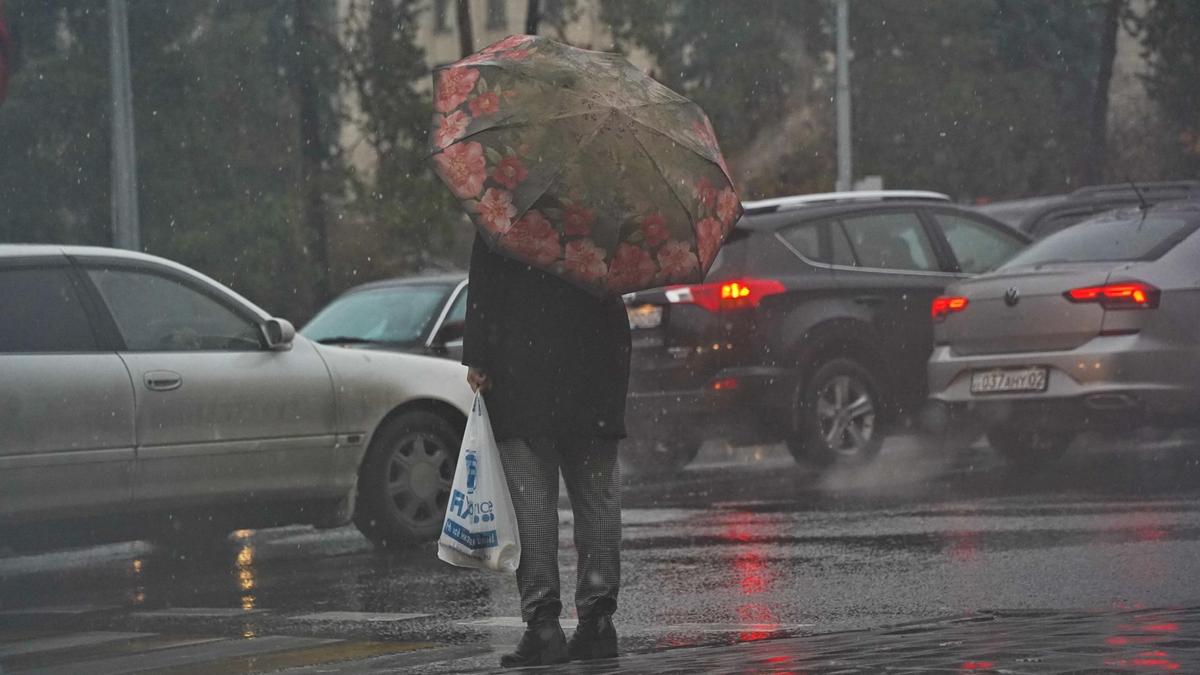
(656, 457)
(405, 480)
(839, 416)
(1028, 448)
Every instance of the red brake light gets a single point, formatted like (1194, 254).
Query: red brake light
(945, 305)
(1122, 295)
(724, 296)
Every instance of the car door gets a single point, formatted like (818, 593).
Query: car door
(896, 276)
(66, 401)
(977, 246)
(220, 418)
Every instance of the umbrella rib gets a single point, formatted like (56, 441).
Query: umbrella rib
(513, 125)
(667, 184)
(563, 165)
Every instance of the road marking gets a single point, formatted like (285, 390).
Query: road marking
(197, 612)
(371, 617)
(63, 610)
(509, 622)
(185, 656)
(104, 650)
(299, 658)
(65, 642)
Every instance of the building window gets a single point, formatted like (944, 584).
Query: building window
(497, 14)
(441, 16)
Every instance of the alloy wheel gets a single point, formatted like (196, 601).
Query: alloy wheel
(846, 415)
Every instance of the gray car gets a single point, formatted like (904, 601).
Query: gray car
(139, 398)
(1094, 327)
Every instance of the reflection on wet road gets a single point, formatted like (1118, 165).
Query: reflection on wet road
(741, 547)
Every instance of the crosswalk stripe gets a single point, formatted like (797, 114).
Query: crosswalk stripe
(370, 617)
(103, 650)
(197, 612)
(312, 656)
(58, 642)
(166, 659)
(57, 610)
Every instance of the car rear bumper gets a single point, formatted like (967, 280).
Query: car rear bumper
(1122, 381)
(744, 405)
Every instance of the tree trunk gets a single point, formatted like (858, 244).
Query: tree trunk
(466, 42)
(1095, 158)
(313, 153)
(533, 17)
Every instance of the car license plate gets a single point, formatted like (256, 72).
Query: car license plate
(645, 316)
(1008, 380)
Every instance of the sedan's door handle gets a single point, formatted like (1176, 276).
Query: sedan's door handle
(162, 380)
(869, 299)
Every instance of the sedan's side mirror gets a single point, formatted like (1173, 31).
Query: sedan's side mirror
(450, 331)
(279, 334)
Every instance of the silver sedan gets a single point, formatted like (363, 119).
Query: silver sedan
(1094, 327)
(139, 398)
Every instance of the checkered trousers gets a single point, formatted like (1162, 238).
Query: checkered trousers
(589, 470)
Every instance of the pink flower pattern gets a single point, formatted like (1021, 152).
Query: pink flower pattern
(533, 239)
(496, 210)
(727, 206)
(577, 220)
(464, 169)
(510, 172)
(584, 260)
(677, 261)
(454, 86)
(450, 128)
(708, 239)
(654, 229)
(632, 268)
(484, 104)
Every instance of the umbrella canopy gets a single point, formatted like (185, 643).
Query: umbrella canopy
(579, 164)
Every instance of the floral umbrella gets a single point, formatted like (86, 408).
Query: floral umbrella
(577, 163)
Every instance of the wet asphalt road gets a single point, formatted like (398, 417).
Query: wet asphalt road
(743, 545)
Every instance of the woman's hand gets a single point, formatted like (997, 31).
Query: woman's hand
(477, 379)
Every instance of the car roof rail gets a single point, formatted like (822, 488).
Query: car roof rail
(796, 201)
(1157, 188)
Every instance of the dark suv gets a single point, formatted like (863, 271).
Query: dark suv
(813, 327)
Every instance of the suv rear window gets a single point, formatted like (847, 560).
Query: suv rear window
(1110, 239)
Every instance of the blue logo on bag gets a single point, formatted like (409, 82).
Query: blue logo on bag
(472, 460)
(469, 511)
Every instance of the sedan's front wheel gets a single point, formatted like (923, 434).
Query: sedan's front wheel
(405, 480)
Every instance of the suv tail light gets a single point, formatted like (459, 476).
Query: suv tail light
(1122, 295)
(724, 296)
(945, 305)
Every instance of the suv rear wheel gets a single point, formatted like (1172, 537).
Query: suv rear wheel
(405, 480)
(840, 418)
(657, 457)
(1029, 448)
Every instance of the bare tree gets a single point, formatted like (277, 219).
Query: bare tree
(533, 17)
(1095, 155)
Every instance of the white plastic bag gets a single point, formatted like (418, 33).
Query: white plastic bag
(480, 529)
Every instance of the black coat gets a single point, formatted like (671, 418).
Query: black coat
(557, 357)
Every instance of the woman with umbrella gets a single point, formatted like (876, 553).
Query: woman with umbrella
(586, 180)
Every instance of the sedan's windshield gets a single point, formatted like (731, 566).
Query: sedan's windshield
(396, 315)
(1111, 238)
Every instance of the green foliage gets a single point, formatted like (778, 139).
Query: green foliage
(1170, 34)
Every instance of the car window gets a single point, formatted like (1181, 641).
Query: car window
(396, 314)
(42, 312)
(806, 239)
(1112, 238)
(978, 247)
(158, 314)
(841, 252)
(1060, 221)
(894, 240)
(458, 311)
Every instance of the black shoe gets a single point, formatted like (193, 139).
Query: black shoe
(595, 638)
(542, 644)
